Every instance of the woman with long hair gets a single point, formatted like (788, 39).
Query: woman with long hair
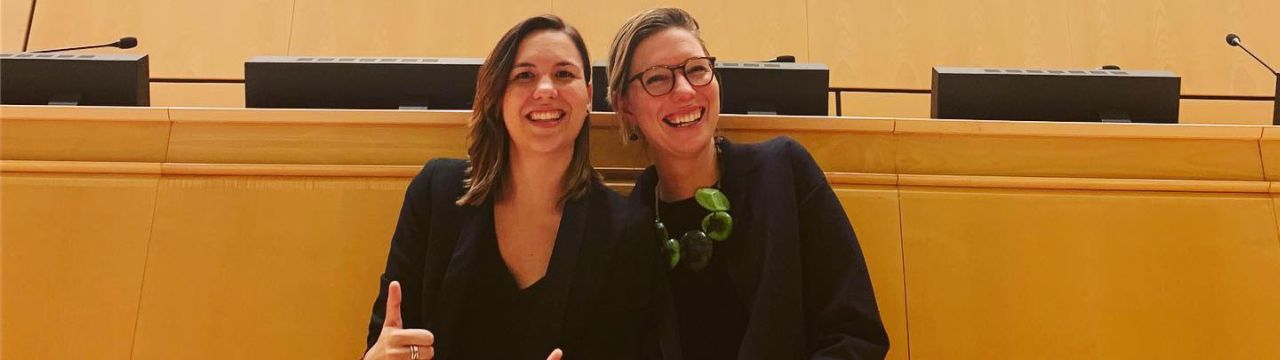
(519, 251)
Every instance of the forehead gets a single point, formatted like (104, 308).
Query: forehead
(548, 45)
(667, 47)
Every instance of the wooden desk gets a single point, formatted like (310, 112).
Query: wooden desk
(162, 233)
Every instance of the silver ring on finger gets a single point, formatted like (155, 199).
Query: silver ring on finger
(413, 352)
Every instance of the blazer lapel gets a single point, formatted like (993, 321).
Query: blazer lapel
(744, 247)
(477, 224)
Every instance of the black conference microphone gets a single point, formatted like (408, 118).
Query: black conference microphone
(783, 59)
(124, 43)
(1234, 40)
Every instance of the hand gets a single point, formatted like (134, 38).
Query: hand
(395, 342)
(555, 354)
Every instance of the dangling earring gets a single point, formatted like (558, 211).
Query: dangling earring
(635, 132)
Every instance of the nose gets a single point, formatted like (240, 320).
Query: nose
(545, 88)
(681, 89)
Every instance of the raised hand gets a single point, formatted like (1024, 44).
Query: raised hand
(396, 342)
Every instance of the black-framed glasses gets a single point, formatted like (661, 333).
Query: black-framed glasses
(659, 80)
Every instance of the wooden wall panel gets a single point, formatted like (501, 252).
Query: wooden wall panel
(406, 27)
(310, 137)
(73, 253)
(862, 146)
(1190, 111)
(185, 38)
(874, 211)
(1271, 155)
(1184, 268)
(895, 105)
(212, 95)
(84, 133)
(13, 24)
(1225, 112)
(893, 44)
(1011, 274)
(254, 265)
(1117, 151)
(733, 30)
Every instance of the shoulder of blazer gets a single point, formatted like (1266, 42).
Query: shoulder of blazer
(628, 214)
(439, 182)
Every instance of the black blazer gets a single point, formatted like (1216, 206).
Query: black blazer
(792, 256)
(601, 277)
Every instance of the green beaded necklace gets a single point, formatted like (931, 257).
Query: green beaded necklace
(696, 244)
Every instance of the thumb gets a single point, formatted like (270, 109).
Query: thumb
(555, 354)
(392, 318)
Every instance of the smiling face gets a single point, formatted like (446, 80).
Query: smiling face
(681, 122)
(547, 98)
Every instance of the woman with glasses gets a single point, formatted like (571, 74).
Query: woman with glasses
(763, 261)
(520, 250)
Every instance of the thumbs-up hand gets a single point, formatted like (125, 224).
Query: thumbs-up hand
(396, 342)
(555, 354)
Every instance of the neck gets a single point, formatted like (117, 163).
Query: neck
(536, 178)
(680, 176)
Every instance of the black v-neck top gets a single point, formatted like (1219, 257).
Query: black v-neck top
(499, 313)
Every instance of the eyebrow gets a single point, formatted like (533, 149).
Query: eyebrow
(562, 63)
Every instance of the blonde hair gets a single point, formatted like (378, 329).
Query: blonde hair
(488, 154)
(622, 51)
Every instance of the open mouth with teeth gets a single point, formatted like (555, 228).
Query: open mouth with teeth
(548, 116)
(684, 119)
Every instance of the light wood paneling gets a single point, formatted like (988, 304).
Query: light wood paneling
(213, 95)
(896, 105)
(1271, 153)
(1078, 150)
(406, 27)
(13, 24)
(1275, 198)
(893, 44)
(873, 210)
(910, 105)
(733, 30)
(1100, 275)
(185, 38)
(83, 133)
(1225, 112)
(255, 265)
(316, 137)
(73, 253)
(984, 239)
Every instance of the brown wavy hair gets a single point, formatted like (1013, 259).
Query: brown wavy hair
(487, 153)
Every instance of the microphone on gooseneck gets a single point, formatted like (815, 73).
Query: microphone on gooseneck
(1234, 40)
(128, 42)
(783, 59)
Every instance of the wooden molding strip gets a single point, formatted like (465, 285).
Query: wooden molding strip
(846, 178)
(1058, 183)
(405, 171)
(1077, 130)
(79, 167)
(624, 176)
(83, 113)
(328, 117)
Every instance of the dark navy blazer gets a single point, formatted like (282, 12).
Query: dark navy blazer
(792, 257)
(603, 272)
